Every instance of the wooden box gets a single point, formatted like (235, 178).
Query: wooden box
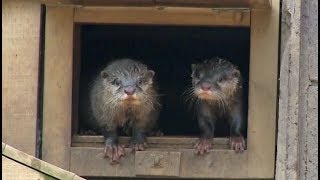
(167, 156)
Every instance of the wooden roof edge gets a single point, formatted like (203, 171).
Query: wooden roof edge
(252, 4)
(37, 164)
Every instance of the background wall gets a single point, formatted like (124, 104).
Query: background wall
(297, 147)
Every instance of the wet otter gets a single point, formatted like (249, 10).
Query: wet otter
(217, 91)
(124, 96)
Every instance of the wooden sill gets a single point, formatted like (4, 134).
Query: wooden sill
(256, 4)
(165, 142)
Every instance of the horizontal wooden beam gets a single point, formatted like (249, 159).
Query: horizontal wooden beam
(163, 16)
(264, 4)
(165, 142)
(224, 164)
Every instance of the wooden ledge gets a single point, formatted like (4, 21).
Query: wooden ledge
(256, 4)
(182, 16)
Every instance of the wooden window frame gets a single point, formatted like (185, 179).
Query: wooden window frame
(83, 154)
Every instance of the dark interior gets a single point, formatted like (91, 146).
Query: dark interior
(169, 51)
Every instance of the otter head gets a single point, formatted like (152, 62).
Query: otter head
(215, 79)
(128, 84)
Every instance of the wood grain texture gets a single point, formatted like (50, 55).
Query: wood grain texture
(216, 164)
(157, 163)
(261, 4)
(20, 63)
(165, 142)
(31, 162)
(57, 101)
(12, 170)
(163, 16)
(263, 92)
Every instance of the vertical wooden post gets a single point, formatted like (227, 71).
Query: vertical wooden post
(57, 101)
(263, 91)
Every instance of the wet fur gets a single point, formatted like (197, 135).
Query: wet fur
(222, 101)
(106, 105)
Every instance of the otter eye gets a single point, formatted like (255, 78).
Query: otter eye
(220, 80)
(140, 81)
(116, 82)
(197, 75)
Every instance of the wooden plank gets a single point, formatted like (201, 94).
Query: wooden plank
(12, 170)
(36, 164)
(261, 4)
(224, 164)
(263, 92)
(57, 101)
(84, 157)
(170, 3)
(163, 16)
(3, 146)
(157, 163)
(153, 142)
(216, 164)
(20, 70)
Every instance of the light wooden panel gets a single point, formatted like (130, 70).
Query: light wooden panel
(163, 16)
(57, 101)
(20, 70)
(12, 170)
(263, 91)
(174, 3)
(35, 164)
(216, 164)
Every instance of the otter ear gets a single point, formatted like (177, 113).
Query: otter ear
(150, 74)
(236, 73)
(193, 67)
(104, 74)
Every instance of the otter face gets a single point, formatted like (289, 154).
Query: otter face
(129, 85)
(215, 80)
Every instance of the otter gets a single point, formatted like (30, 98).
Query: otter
(124, 95)
(217, 92)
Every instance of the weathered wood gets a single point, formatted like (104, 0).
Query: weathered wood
(173, 3)
(163, 16)
(157, 163)
(36, 164)
(263, 92)
(20, 69)
(14, 170)
(216, 164)
(258, 4)
(87, 161)
(153, 142)
(3, 146)
(57, 101)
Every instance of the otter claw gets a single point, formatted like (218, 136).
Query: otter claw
(138, 147)
(114, 153)
(237, 144)
(203, 146)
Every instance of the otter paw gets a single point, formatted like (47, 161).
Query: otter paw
(158, 133)
(203, 146)
(237, 143)
(114, 153)
(138, 143)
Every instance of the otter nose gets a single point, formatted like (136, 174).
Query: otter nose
(205, 86)
(129, 90)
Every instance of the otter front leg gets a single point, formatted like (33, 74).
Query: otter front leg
(112, 149)
(206, 120)
(138, 140)
(237, 142)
